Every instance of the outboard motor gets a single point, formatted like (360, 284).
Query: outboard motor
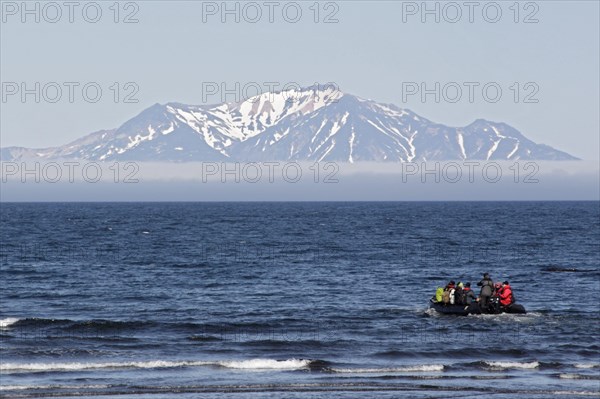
(494, 305)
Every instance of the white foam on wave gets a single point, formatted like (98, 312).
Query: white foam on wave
(587, 365)
(513, 365)
(432, 312)
(15, 387)
(567, 376)
(8, 321)
(531, 314)
(252, 364)
(508, 317)
(267, 364)
(578, 393)
(421, 367)
(23, 387)
(34, 367)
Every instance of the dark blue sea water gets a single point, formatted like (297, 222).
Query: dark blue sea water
(295, 300)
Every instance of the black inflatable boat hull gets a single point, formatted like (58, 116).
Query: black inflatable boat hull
(473, 308)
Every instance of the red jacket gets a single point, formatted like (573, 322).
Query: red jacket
(506, 295)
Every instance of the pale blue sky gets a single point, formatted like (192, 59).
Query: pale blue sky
(370, 52)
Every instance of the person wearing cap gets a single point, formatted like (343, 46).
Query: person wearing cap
(487, 288)
(468, 294)
(506, 295)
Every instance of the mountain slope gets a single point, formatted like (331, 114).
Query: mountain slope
(312, 124)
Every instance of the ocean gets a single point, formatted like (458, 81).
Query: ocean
(295, 300)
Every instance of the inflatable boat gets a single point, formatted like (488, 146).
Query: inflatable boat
(474, 308)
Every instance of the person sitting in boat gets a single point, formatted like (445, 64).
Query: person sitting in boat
(487, 288)
(459, 294)
(506, 295)
(468, 294)
(448, 297)
(438, 296)
(494, 302)
(497, 289)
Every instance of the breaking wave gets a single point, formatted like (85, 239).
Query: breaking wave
(421, 367)
(251, 364)
(587, 365)
(4, 323)
(512, 365)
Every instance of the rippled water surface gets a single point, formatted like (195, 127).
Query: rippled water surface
(295, 300)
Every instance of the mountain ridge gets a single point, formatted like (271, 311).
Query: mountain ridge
(310, 124)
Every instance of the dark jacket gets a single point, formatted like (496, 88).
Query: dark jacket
(487, 287)
(469, 296)
(459, 298)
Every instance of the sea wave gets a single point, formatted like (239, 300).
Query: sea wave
(507, 317)
(250, 364)
(575, 393)
(512, 365)
(4, 323)
(587, 365)
(24, 387)
(16, 387)
(83, 328)
(77, 366)
(267, 364)
(421, 367)
(573, 376)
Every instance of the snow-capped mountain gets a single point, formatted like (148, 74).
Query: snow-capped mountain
(312, 124)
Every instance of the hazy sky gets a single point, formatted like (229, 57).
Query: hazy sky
(375, 50)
